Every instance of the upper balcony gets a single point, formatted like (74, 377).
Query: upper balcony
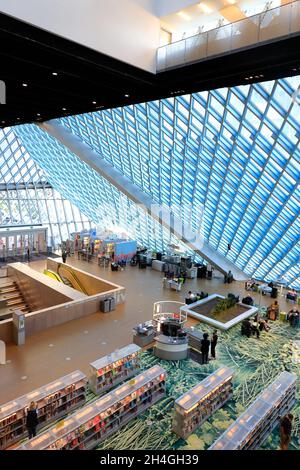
(268, 26)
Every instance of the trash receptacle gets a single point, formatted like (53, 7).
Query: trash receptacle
(105, 305)
(112, 303)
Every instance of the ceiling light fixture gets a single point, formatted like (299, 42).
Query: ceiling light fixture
(205, 8)
(64, 109)
(38, 114)
(54, 73)
(184, 16)
(126, 96)
(231, 2)
(24, 84)
(94, 102)
(18, 119)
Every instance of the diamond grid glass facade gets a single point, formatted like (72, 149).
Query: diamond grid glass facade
(91, 193)
(26, 196)
(234, 151)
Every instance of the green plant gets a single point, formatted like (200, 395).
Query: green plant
(224, 304)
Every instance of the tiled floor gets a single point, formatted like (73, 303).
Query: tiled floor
(60, 350)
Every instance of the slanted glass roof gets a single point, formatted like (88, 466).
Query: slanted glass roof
(27, 198)
(233, 150)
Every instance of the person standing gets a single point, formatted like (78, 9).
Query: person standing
(205, 348)
(28, 254)
(213, 344)
(285, 431)
(64, 256)
(31, 420)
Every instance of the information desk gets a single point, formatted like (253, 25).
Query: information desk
(110, 370)
(86, 428)
(171, 348)
(52, 401)
(252, 428)
(198, 404)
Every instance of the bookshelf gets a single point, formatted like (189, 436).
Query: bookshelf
(200, 402)
(251, 429)
(52, 400)
(87, 427)
(110, 370)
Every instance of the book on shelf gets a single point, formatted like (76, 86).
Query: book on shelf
(93, 423)
(52, 401)
(110, 370)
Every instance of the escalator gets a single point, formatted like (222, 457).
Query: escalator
(67, 274)
(53, 275)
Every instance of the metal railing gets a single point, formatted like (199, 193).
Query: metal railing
(268, 26)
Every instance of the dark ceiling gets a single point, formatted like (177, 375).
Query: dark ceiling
(47, 76)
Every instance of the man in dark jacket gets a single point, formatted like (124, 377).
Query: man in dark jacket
(205, 348)
(31, 420)
(285, 431)
(213, 344)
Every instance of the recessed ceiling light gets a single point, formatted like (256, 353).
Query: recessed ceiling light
(231, 2)
(205, 8)
(64, 109)
(184, 16)
(246, 78)
(38, 114)
(24, 84)
(251, 77)
(18, 119)
(126, 96)
(3, 122)
(94, 102)
(54, 73)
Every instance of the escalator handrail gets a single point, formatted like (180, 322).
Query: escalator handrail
(74, 277)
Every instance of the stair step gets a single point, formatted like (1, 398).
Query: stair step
(12, 289)
(11, 295)
(15, 302)
(7, 284)
(19, 307)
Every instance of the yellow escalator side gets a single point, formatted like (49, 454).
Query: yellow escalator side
(53, 275)
(69, 274)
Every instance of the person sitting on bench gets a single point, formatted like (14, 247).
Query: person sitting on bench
(248, 300)
(292, 295)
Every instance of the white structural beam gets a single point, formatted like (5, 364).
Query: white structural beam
(135, 194)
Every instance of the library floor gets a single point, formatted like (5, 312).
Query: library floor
(60, 350)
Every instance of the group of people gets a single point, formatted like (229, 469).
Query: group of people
(254, 326)
(228, 277)
(194, 297)
(206, 344)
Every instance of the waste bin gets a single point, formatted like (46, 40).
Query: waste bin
(112, 303)
(105, 305)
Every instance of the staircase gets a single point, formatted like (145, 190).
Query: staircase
(10, 292)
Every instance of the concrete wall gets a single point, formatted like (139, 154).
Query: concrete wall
(40, 291)
(119, 28)
(57, 315)
(59, 303)
(92, 284)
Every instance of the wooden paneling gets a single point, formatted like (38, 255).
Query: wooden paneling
(92, 284)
